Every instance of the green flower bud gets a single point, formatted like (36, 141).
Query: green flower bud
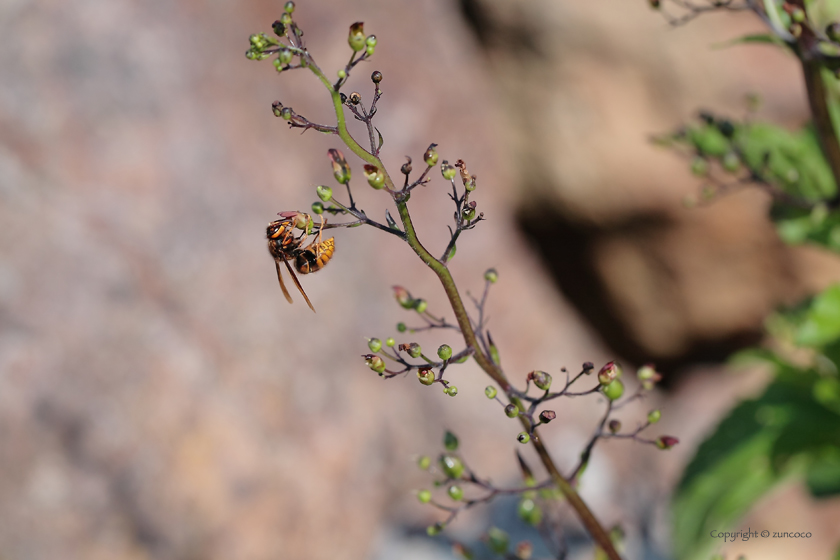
(324, 192)
(278, 65)
(279, 28)
(512, 411)
(401, 327)
(435, 529)
(374, 362)
(447, 170)
(490, 391)
(654, 416)
(374, 344)
(424, 496)
(356, 37)
(666, 442)
(491, 275)
(797, 14)
(251, 55)
(450, 441)
(648, 376)
(277, 108)
(469, 213)
(452, 390)
(731, 162)
(413, 349)
(340, 168)
(342, 74)
(523, 437)
(529, 511)
(444, 352)
(614, 390)
(369, 51)
(455, 492)
(284, 56)
(431, 155)
(547, 416)
(541, 379)
(833, 32)
(318, 208)
(614, 426)
(289, 7)
(497, 540)
(370, 41)
(376, 77)
(375, 177)
(403, 297)
(424, 462)
(451, 466)
(426, 376)
(286, 113)
(390, 342)
(420, 305)
(610, 372)
(286, 19)
(700, 166)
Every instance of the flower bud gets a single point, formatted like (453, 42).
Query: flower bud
(403, 297)
(470, 184)
(455, 492)
(435, 529)
(451, 466)
(355, 98)
(524, 550)
(279, 28)
(278, 65)
(374, 344)
(512, 411)
(342, 74)
(614, 426)
(444, 352)
(523, 437)
(375, 177)
(420, 305)
(376, 77)
(370, 41)
(431, 155)
(356, 37)
(286, 19)
(833, 32)
(369, 50)
(654, 416)
(390, 342)
(318, 208)
(289, 7)
(541, 379)
(614, 390)
(452, 390)
(587, 367)
(413, 349)
(450, 441)
(284, 55)
(447, 170)
(426, 376)
(666, 442)
(529, 511)
(286, 113)
(424, 462)
(547, 416)
(469, 213)
(374, 362)
(405, 169)
(491, 275)
(609, 373)
(490, 391)
(424, 496)
(277, 109)
(340, 168)
(324, 192)
(497, 540)
(401, 327)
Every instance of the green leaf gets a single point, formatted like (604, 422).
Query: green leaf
(766, 38)
(823, 476)
(822, 320)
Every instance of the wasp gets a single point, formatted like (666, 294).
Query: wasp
(285, 245)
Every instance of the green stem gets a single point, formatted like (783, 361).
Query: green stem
(440, 269)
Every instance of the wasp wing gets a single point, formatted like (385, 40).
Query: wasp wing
(280, 278)
(299, 287)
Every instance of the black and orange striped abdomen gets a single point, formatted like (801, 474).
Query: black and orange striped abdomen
(315, 256)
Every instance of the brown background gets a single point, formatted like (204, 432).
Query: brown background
(160, 399)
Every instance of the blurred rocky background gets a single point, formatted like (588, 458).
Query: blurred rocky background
(159, 399)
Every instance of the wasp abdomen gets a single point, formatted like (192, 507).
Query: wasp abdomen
(315, 257)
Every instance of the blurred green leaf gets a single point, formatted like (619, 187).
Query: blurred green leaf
(822, 320)
(766, 38)
(823, 476)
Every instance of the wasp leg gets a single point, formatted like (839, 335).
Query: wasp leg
(282, 285)
(299, 287)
